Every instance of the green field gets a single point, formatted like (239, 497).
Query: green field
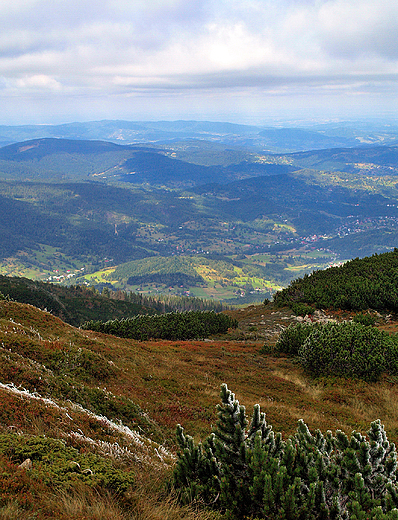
(236, 277)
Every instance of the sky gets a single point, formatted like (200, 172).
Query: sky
(246, 61)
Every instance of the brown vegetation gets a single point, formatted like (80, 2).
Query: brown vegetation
(171, 382)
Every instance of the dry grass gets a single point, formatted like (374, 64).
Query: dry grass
(151, 501)
(166, 508)
(12, 511)
(84, 503)
(311, 388)
(146, 502)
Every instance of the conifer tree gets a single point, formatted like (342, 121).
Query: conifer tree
(196, 474)
(231, 452)
(249, 472)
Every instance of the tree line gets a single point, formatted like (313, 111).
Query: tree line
(164, 303)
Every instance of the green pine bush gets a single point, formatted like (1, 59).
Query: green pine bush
(302, 309)
(293, 337)
(246, 471)
(170, 326)
(364, 319)
(348, 350)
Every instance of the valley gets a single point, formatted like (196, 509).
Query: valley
(88, 418)
(88, 211)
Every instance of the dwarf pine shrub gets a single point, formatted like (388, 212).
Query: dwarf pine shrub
(170, 326)
(293, 337)
(245, 470)
(349, 350)
(364, 319)
(302, 309)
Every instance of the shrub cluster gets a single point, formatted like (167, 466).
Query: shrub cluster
(365, 319)
(342, 349)
(171, 326)
(293, 337)
(249, 472)
(367, 283)
(302, 309)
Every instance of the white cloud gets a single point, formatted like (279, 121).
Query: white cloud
(357, 27)
(38, 81)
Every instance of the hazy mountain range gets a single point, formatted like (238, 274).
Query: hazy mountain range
(330, 135)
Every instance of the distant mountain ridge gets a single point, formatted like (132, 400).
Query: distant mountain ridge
(277, 139)
(68, 159)
(38, 148)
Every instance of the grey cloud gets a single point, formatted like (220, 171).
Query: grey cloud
(349, 29)
(57, 25)
(230, 80)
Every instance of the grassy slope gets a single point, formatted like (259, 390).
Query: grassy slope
(152, 386)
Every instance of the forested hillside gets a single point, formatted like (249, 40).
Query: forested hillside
(380, 160)
(78, 304)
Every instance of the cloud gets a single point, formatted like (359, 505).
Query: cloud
(358, 28)
(38, 81)
(111, 48)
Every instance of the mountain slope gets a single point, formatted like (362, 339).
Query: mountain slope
(380, 160)
(45, 159)
(311, 208)
(64, 159)
(52, 227)
(179, 164)
(96, 414)
(360, 284)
